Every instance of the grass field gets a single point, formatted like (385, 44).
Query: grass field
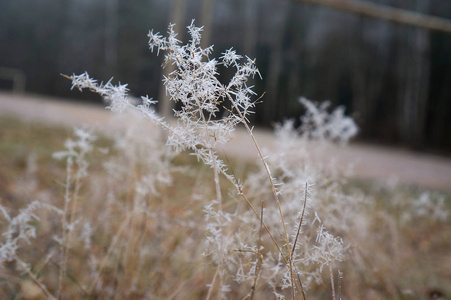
(115, 240)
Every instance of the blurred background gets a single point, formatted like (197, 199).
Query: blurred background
(393, 78)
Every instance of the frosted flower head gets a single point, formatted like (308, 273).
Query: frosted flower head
(230, 57)
(83, 81)
(156, 41)
(318, 123)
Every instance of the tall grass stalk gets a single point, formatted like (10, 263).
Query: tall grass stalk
(195, 85)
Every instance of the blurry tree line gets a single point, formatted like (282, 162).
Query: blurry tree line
(395, 80)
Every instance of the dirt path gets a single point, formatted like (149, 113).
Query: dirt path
(372, 162)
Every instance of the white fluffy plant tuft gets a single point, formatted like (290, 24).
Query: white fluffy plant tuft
(199, 127)
(209, 112)
(319, 124)
(195, 85)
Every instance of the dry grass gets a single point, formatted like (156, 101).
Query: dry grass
(156, 252)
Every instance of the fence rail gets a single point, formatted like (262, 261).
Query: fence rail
(387, 13)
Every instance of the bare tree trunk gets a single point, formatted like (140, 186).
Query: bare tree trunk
(441, 119)
(367, 79)
(207, 14)
(414, 87)
(177, 17)
(62, 26)
(273, 103)
(250, 39)
(111, 31)
(414, 99)
(296, 53)
(250, 27)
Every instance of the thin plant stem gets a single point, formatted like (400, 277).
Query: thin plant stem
(300, 222)
(262, 158)
(71, 219)
(216, 178)
(297, 236)
(378, 275)
(110, 249)
(212, 284)
(266, 228)
(260, 256)
(282, 254)
(179, 289)
(332, 281)
(274, 189)
(340, 278)
(64, 221)
(219, 199)
(34, 278)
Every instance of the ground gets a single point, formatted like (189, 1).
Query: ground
(389, 165)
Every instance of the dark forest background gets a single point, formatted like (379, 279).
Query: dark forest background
(394, 80)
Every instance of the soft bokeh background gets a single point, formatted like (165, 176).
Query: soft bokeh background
(395, 80)
(137, 222)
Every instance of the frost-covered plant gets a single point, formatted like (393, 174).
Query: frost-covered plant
(427, 206)
(76, 169)
(139, 147)
(200, 129)
(195, 85)
(318, 123)
(21, 229)
(277, 233)
(141, 225)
